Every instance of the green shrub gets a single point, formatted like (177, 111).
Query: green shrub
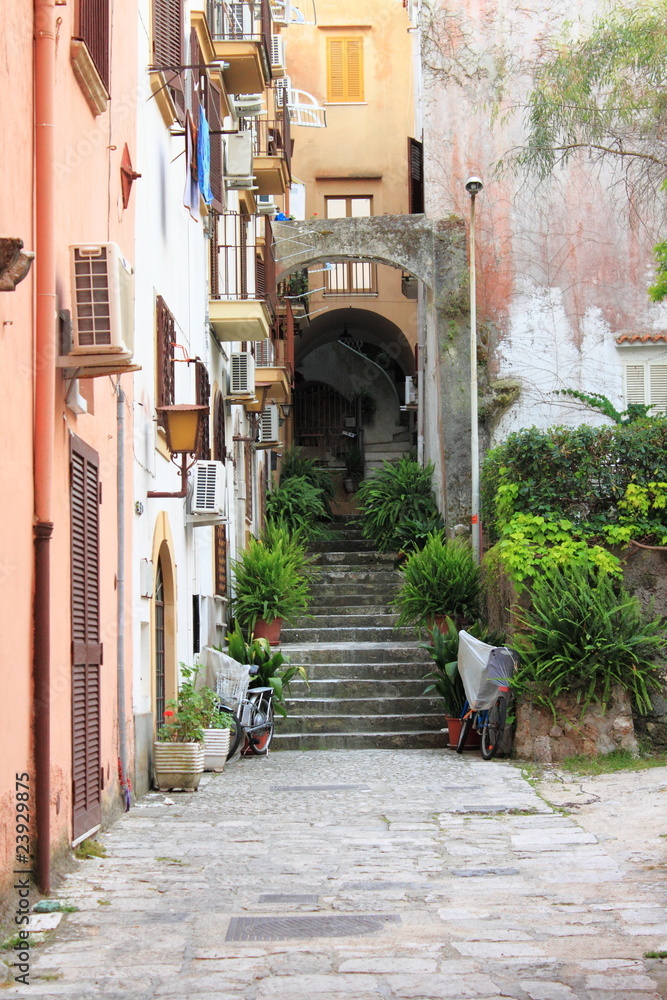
(583, 635)
(398, 493)
(440, 579)
(267, 584)
(295, 466)
(298, 506)
(270, 667)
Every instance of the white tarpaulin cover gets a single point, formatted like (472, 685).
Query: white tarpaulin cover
(481, 672)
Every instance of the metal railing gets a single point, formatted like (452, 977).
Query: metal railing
(272, 137)
(239, 22)
(238, 269)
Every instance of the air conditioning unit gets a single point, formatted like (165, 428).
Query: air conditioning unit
(411, 390)
(242, 374)
(208, 488)
(248, 105)
(277, 55)
(269, 425)
(265, 206)
(238, 155)
(102, 300)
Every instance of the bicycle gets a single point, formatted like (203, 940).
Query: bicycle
(489, 723)
(251, 709)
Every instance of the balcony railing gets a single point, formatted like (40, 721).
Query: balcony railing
(272, 138)
(238, 270)
(237, 21)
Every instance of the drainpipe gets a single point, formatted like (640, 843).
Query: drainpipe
(120, 594)
(44, 417)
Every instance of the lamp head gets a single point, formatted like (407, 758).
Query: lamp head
(474, 185)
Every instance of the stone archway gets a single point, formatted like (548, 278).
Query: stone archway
(435, 252)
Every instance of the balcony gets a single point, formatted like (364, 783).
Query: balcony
(272, 154)
(242, 278)
(243, 42)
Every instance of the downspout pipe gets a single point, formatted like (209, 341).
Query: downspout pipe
(120, 594)
(44, 417)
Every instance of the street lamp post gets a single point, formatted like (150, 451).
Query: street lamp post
(473, 187)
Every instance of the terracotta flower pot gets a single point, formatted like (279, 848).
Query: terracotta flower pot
(454, 731)
(268, 630)
(216, 748)
(178, 765)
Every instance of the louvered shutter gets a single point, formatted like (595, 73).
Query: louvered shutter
(215, 125)
(168, 47)
(335, 83)
(635, 392)
(416, 177)
(221, 560)
(243, 256)
(219, 442)
(203, 399)
(86, 646)
(93, 28)
(164, 361)
(354, 69)
(658, 387)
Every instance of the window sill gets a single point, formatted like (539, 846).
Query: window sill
(163, 99)
(351, 295)
(345, 104)
(90, 81)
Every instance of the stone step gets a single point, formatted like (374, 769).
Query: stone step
(362, 634)
(354, 589)
(343, 544)
(362, 723)
(412, 740)
(374, 686)
(349, 576)
(362, 607)
(370, 672)
(381, 560)
(355, 654)
(399, 443)
(362, 707)
(351, 619)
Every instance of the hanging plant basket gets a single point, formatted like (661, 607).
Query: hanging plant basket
(178, 765)
(216, 748)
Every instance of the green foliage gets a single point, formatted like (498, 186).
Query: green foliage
(397, 493)
(609, 763)
(658, 291)
(292, 544)
(440, 579)
(270, 668)
(585, 482)
(296, 466)
(444, 650)
(268, 583)
(298, 505)
(192, 711)
(90, 848)
(584, 634)
(354, 464)
(597, 401)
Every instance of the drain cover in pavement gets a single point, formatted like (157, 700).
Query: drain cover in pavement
(286, 897)
(476, 872)
(317, 788)
(283, 928)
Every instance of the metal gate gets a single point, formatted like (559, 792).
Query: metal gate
(324, 420)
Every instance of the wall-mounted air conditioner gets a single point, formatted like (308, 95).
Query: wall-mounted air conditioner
(411, 390)
(238, 155)
(102, 300)
(269, 425)
(265, 206)
(248, 106)
(277, 54)
(242, 374)
(208, 488)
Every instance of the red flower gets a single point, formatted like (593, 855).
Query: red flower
(168, 712)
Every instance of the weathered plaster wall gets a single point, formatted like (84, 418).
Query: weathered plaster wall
(563, 266)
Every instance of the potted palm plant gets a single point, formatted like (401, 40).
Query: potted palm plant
(270, 585)
(439, 580)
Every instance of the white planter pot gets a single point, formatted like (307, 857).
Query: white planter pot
(216, 746)
(178, 765)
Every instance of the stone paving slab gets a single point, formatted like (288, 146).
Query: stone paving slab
(380, 838)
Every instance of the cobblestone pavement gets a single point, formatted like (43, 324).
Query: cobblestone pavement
(362, 875)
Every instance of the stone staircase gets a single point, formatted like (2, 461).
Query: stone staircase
(365, 674)
(375, 454)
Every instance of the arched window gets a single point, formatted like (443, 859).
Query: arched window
(159, 647)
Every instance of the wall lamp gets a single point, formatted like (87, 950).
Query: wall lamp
(182, 426)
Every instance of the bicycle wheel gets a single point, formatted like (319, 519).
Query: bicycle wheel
(236, 738)
(494, 729)
(466, 726)
(262, 732)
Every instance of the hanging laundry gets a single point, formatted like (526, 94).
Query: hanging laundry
(204, 158)
(191, 193)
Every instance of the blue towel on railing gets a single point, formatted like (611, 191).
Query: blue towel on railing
(204, 158)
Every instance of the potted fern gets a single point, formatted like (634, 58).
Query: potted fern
(439, 580)
(270, 585)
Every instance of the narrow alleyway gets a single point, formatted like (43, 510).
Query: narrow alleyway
(365, 675)
(367, 874)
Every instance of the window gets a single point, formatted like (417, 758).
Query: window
(646, 384)
(168, 48)
(355, 277)
(345, 70)
(203, 398)
(93, 29)
(164, 355)
(416, 177)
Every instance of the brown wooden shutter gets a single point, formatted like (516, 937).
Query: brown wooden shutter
(221, 560)
(203, 399)
(166, 336)
(247, 456)
(416, 177)
(215, 125)
(168, 48)
(243, 256)
(219, 441)
(93, 28)
(86, 646)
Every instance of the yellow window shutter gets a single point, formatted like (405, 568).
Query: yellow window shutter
(355, 69)
(335, 67)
